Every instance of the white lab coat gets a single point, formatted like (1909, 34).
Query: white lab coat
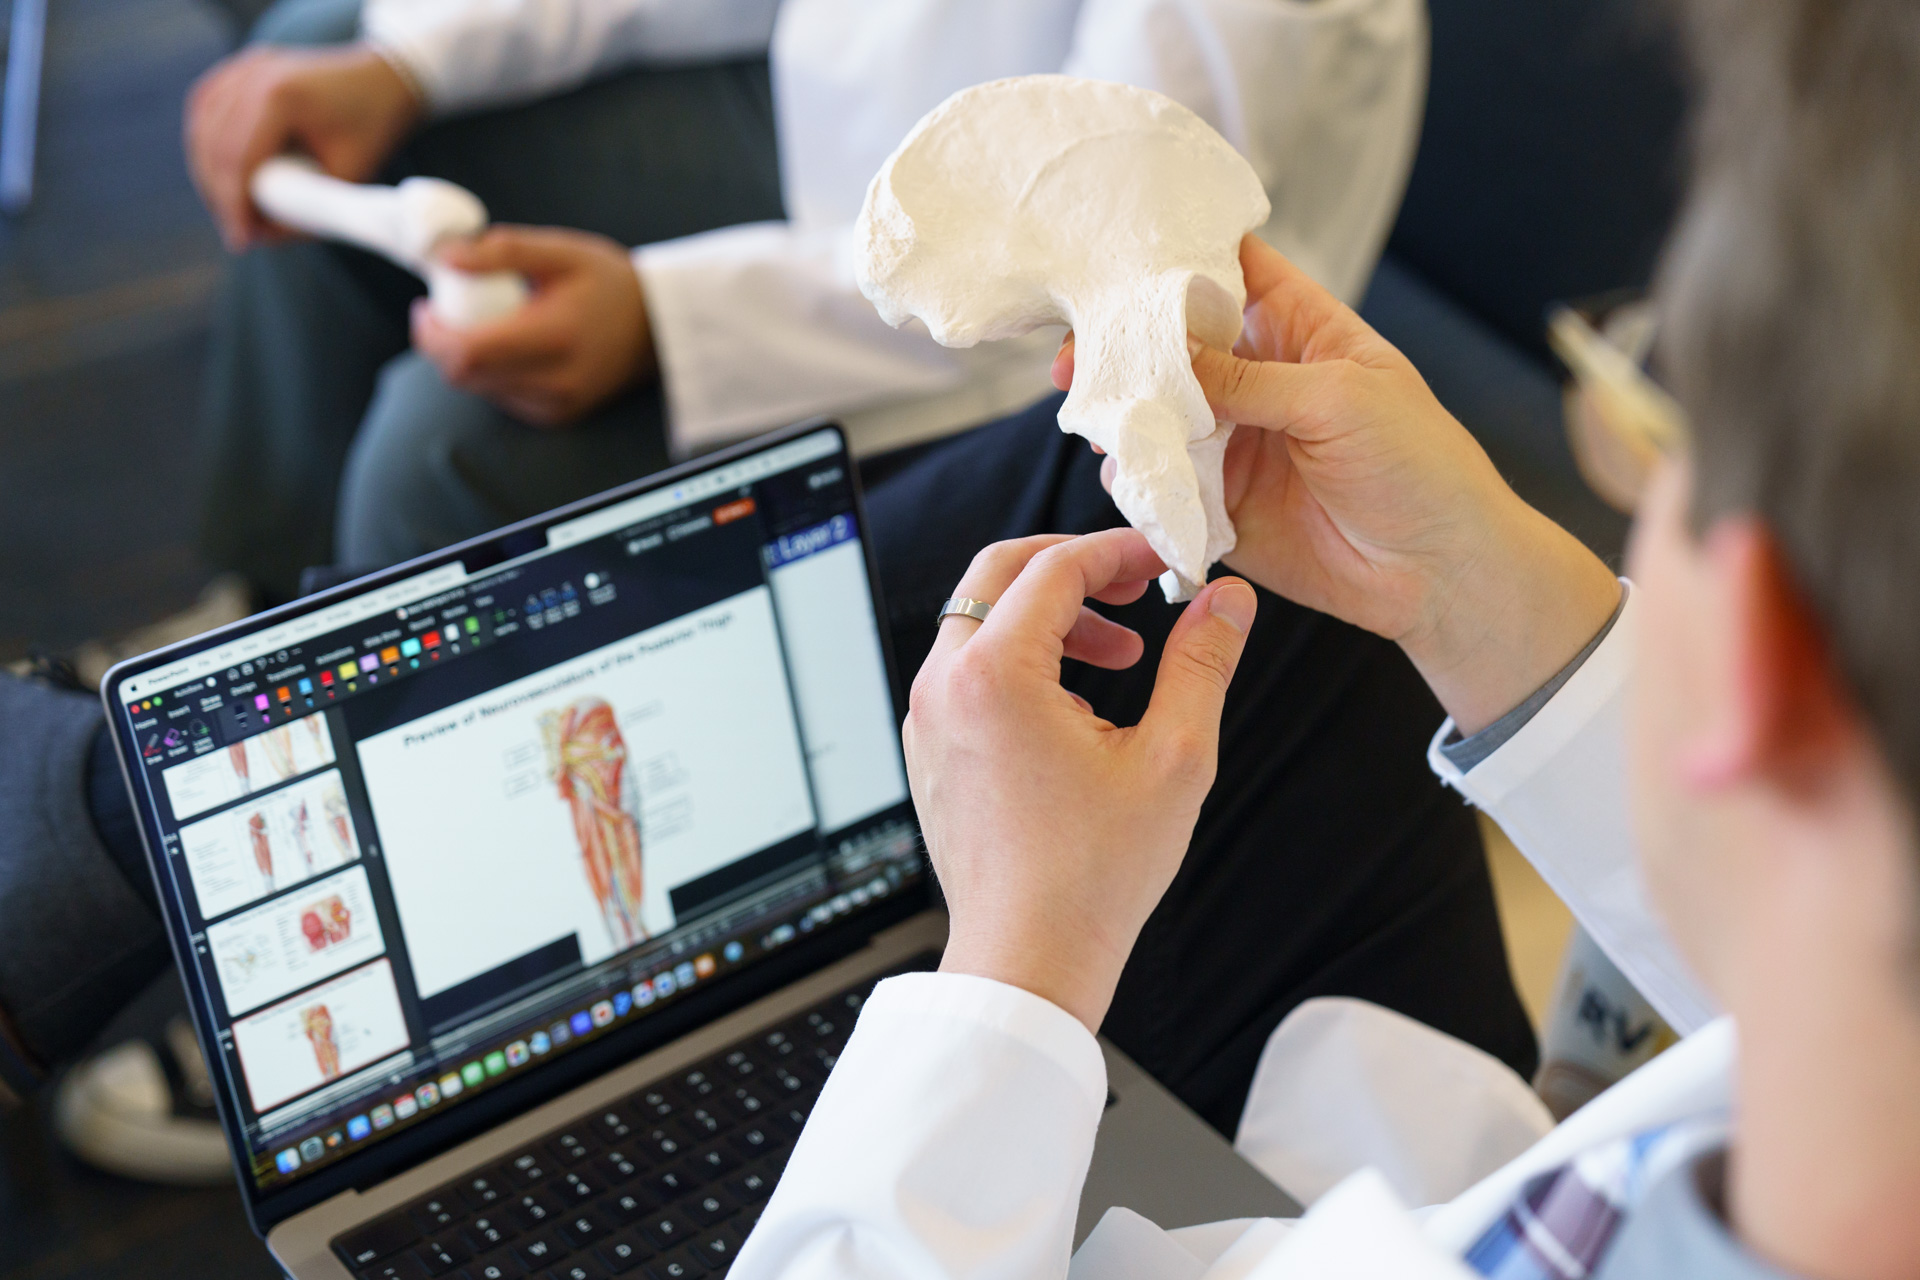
(951, 1141)
(759, 325)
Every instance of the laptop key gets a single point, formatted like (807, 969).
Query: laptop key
(612, 1125)
(534, 1209)
(573, 1146)
(716, 1249)
(582, 1229)
(654, 1104)
(666, 1229)
(750, 1187)
(709, 1207)
(497, 1266)
(714, 1162)
(617, 1167)
(628, 1206)
(379, 1239)
(579, 1188)
(540, 1251)
(671, 1184)
(403, 1267)
(698, 1085)
(436, 1213)
(701, 1123)
(530, 1168)
(754, 1142)
(483, 1190)
(622, 1254)
(488, 1231)
(660, 1144)
(678, 1265)
(444, 1254)
(578, 1269)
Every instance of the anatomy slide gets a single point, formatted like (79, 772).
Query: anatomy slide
(571, 802)
(279, 840)
(255, 764)
(294, 941)
(323, 1034)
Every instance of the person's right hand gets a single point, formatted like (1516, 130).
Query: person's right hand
(345, 107)
(1354, 492)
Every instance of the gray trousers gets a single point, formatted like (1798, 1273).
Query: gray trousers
(325, 440)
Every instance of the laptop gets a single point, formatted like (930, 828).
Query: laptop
(525, 893)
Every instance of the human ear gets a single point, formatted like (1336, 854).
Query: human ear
(1781, 710)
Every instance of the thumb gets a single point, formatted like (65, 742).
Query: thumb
(1190, 690)
(532, 251)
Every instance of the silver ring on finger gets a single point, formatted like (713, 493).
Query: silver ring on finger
(965, 607)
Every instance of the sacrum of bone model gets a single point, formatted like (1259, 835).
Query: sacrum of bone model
(404, 223)
(1047, 199)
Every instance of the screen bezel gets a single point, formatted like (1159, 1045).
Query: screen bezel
(401, 1151)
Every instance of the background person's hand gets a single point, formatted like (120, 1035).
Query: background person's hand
(1055, 833)
(581, 338)
(345, 107)
(1353, 491)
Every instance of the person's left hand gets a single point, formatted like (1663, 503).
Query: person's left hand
(1054, 832)
(581, 338)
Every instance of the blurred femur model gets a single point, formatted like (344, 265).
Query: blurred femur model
(587, 760)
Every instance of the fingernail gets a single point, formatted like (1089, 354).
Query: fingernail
(1195, 346)
(1233, 604)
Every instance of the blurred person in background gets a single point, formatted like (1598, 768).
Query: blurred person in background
(732, 141)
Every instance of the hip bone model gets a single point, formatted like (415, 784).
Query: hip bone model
(1043, 199)
(404, 223)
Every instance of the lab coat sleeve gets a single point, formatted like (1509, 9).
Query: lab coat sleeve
(950, 1141)
(1558, 789)
(762, 324)
(467, 54)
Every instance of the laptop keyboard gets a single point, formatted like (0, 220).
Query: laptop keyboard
(662, 1185)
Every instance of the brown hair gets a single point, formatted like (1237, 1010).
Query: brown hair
(1790, 301)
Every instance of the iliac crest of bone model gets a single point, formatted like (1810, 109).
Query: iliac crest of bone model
(1047, 199)
(405, 223)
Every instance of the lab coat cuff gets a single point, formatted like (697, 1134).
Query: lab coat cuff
(1010, 1011)
(1586, 694)
(695, 313)
(411, 55)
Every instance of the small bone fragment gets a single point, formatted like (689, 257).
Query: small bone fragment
(1042, 199)
(404, 223)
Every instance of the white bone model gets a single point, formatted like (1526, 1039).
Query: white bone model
(405, 223)
(1043, 199)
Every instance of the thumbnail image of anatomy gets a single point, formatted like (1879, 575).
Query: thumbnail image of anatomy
(295, 941)
(555, 816)
(254, 764)
(587, 761)
(320, 1035)
(275, 841)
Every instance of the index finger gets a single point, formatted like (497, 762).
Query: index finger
(1042, 604)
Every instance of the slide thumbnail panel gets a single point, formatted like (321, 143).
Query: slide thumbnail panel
(331, 1031)
(280, 840)
(572, 802)
(295, 941)
(259, 763)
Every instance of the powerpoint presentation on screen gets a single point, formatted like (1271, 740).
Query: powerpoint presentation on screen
(570, 803)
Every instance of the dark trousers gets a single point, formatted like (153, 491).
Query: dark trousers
(1328, 859)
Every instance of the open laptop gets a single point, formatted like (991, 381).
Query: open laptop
(525, 893)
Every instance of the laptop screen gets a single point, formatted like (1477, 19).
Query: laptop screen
(436, 834)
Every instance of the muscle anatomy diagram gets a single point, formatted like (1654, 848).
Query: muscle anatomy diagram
(587, 761)
(318, 1023)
